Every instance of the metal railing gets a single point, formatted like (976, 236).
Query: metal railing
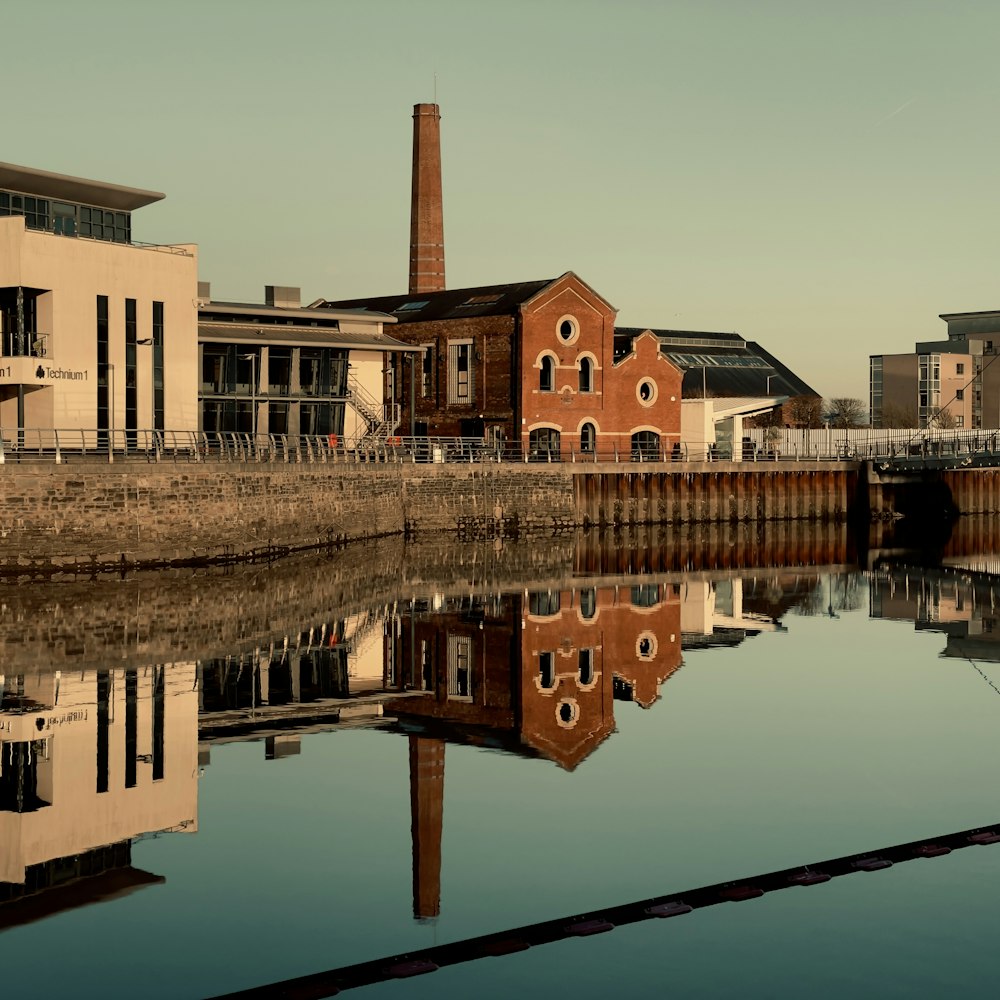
(46, 445)
(818, 444)
(24, 344)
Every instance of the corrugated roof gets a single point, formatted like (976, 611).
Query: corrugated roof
(453, 303)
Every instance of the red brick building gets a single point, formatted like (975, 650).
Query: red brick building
(530, 365)
(536, 675)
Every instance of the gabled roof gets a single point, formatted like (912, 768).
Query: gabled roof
(453, 303)
(723, 364)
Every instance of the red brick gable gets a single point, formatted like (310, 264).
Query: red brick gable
(571, 385)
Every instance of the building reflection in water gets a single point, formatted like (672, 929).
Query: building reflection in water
(90, 760)
(962, 602)
(534, 673)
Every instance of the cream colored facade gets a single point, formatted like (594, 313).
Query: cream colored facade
(51, 373)
(60, 380)
(714, 426)
(59, 721)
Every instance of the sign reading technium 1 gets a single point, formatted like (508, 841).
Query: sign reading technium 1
(38, 371)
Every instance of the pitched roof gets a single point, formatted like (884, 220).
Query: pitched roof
(452, 303)
(723, 364)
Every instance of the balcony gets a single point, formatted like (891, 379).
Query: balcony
(25, 344)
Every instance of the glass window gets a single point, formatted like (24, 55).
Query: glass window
(586, 375)
(588, 603)
(310, 369)
(314, 418)
(459, 668)
(279, 371)
(547, 670)
(543, 603)
(543, 444)
(645, 446)
(588, 439)
(213, 370)
(158, 401)
(427, 371)
(547, 375)
(277, 418)
(461, 380)
(646, 596)
(586, 666)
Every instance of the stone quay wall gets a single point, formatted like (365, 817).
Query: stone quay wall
(82, 517)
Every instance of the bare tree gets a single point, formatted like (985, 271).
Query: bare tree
(895, 415)
(769, 418)
(845, 412)
(803, 411)
(943, 419)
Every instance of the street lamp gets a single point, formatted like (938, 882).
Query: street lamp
(252, 358)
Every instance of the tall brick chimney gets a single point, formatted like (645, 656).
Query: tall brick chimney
(426, 206)
(426, 822)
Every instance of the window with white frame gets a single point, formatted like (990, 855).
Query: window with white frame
(459, 668)
(461, 375)
(547, 374)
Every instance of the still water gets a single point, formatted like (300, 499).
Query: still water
(527, 736)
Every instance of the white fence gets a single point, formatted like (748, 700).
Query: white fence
(868, 442)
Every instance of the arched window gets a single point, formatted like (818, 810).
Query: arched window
(543, 444)
(588, 602)
(543, 603)
(586, 666)
(588, 439)
(547, 375)
(646, 595)
(547, 671)
(586, 375)
(645, 446)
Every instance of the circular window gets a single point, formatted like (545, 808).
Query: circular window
(645, 646)
(568, 329)
(567, 713)
(646, 392)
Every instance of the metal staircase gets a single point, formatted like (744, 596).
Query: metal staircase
(381, 419)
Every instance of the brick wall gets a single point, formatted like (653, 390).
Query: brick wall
(84, 517)
(177, 615)
(492, 369)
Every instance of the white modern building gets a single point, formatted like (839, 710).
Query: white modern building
(96, 331)
(107, 339)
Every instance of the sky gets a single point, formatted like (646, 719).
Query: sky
(816, 177)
